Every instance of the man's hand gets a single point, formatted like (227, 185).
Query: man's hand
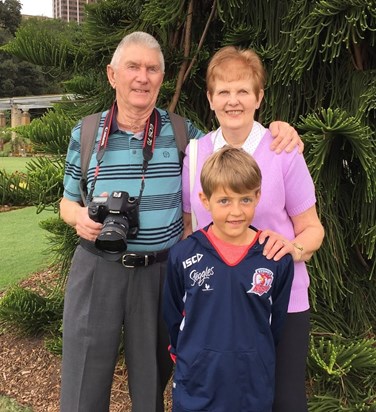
(77, 216)
(285, 137)
(86, 227)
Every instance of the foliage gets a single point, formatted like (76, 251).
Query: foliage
(30, 314)
(45, 176)
(342, 374)
(340, 153)
(54, 343)
(10, 15)
(321, 61)
(41, 185)
(63, 242)
(19, 77)
(52, 44)
(14, 189)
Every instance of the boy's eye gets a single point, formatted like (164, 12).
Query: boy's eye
(223, 201)
(247, 200)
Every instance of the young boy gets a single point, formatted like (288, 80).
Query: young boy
(225, 303)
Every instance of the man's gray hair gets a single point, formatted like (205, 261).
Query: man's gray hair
(141, 38)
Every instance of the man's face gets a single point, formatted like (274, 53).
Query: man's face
(136, 77)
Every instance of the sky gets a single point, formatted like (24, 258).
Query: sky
(37, 7)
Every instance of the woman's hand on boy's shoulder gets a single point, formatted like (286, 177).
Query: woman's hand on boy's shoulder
(276, 245)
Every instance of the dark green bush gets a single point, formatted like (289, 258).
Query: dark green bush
(14, 189)
(27, 313)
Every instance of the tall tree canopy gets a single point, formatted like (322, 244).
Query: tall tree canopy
(19, 77)
(10, 15)
(321, 62)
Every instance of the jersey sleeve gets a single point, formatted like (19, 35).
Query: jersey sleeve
(173, 301)
(281, 296)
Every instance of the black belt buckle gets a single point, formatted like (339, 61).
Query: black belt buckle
(132, 260)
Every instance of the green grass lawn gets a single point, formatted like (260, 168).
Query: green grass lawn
(9, 405)
(13, 164)
(22, 241)
(22, 244)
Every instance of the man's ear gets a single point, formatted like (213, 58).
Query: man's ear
(204, 200)
(111, 76)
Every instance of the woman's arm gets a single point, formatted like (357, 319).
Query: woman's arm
(309, 234)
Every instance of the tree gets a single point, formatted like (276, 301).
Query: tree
(321, 61)
(19, 77)
(10, 15)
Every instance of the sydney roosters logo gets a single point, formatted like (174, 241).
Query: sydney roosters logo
(262, 281)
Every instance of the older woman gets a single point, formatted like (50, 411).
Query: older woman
(286, 212)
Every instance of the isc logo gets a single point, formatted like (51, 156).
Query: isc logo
(192, 260)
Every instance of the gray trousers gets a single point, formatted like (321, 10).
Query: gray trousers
(101, 298)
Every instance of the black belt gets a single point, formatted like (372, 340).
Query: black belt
(127, 259)
(132, 260)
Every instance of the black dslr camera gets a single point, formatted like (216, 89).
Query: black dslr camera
(119, 215)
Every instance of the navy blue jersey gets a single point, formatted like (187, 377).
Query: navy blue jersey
(224, 321)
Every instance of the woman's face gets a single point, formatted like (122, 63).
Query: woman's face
(234, 103)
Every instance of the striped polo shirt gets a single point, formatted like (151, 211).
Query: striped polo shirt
(160, 216)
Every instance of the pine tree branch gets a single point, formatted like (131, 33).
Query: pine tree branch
(200, 44)
(357, 57)
(187, 48)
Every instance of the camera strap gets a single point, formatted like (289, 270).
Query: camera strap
(150, 133)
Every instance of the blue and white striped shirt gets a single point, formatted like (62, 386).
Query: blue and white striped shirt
(161, 222)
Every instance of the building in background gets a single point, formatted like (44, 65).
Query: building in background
(70, 10)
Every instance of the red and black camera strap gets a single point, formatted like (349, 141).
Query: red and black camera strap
(152, 129)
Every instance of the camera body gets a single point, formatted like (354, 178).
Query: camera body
(119, 215)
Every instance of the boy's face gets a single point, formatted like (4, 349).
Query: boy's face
(232, 213)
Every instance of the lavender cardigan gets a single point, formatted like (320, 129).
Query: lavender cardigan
(287, 190)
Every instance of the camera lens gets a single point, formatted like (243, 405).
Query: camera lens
(113, 236)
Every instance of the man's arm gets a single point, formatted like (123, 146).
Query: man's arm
(77, 216)
(285, 138)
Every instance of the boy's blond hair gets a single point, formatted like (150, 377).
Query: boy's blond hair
(230, 168)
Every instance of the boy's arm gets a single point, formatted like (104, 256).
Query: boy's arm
(281, 296)
(173, 304)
